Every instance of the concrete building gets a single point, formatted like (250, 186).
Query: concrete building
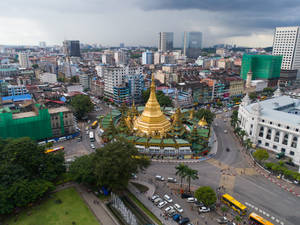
(192, 44)
(273, 124)
(165, 41)
(50, 78)
(71, 48)
(85, 80)
(8, 70)
(157, 58)
(97, 88)
(259, 85)
(147, 58)
(24, 60)
(13, 90)
(286, 43)
(121, 57)
(108, 58)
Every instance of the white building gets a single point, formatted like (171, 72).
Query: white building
(157, 58)
(147, 58)
(165, 41)
(286, 42)
(50, 78)
(121, 57)
(273, 124)
(24, 60)
(259, 85)
(85, 80)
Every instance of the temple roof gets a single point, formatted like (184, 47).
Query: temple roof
(202, 122)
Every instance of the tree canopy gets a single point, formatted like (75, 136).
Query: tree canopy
(26, 172)
(206, 195)
(111, 166)
(206, 113)
(81, 104)
(261, 154)
(162, 99)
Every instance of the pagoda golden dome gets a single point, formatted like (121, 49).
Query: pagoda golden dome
(152, 121)
(202, 122)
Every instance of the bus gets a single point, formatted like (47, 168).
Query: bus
(234, 204)
(54, 149)
(95, 124)
(255, 219)
(92, 136)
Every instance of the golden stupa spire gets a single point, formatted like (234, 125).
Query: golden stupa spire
(152, 120)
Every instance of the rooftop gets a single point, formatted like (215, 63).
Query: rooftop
(59, 109)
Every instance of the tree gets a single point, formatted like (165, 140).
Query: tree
(206, 195)
(268, 91)
(115, 163)
(81, 104)
(253, 96)
(261, 154)
(74, 79)
(82, 170)
(191, 175)
(181, 171)
(206, 113)
(219, 104)
(162, 99)
(26, 172)
(234, 119)
(242, 134)
(35, 66)
(248, 143)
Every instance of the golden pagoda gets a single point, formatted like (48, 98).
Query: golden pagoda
(152, 121)
(202, 122)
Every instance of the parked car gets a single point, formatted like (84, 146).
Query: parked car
(169, 208)
(184, 221)
(231, 223)
(162, 204)
(198, 204)
(160, 178)
(185, 195)
(154, 197)
(171, 212)
(176, 217)
(222, 220)
(204, 209)
(178, 208)
(157, 201)
(191, 200)
(168, 198)
(92, 146)
(225, 131)
(133, 176)
(172, 180)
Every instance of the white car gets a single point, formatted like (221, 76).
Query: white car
(162, 204)
(92, 146)
(154, 197)
(169, 208)
(225, 131)
(178, 208)
(191, 200)
(204, 209)
(157, 201)
(160, 178)
(168, 198)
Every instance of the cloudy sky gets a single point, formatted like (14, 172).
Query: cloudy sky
(137, 22)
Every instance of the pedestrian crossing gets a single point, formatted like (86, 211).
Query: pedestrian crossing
(264, 214)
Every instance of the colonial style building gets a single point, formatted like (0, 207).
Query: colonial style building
(273, 124)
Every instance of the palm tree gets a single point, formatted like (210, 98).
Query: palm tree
(242, 134)
(191, 175)
(248, 143)
(181, 171)
(237, 130)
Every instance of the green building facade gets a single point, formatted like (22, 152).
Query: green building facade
(262, 66)
(36, 127)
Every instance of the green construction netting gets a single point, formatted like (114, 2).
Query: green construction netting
(62, 123)
(36, 127)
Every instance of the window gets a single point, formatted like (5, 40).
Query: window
(259, 142)
(276, 138)
(287, 127)
(269, 134)
(266, 144)
(297, 129)
(263, 121)
(294, 142)
(285, 139)
(274, 146)
(282, 149)
(261, 131)
(279, 125)
(292, 153)
(271, 123)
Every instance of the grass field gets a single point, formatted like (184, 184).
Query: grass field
(71, 209)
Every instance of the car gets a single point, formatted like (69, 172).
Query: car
(87, 132)
(225, 131)
(198, 204)
(171, 212)
(231, 223)
(222, 220)
(168, 198)
(169, 208)
(162, 204)
(79, 139)
(176, 217)
(160, 178)
(204, 209)
(172, 180)
(191, 200)
(185, 195)
(133, 176)
(184, 221)
(154, 197)
(178, 208)
(92, 146)
(157, 201)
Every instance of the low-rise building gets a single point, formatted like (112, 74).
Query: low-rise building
(50, 78)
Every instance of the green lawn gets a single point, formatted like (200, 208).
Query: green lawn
(72, 209)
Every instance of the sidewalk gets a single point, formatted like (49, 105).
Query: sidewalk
(151, 187)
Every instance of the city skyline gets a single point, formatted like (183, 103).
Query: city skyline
(109, 23)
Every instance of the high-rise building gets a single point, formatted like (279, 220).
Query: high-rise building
(85, 80)
(286, 42)
(42, 44)
(24, 60)
(71, 48)
(165, 42)
(192, 44)
(147, 58)
(121, 57)
(122, 45)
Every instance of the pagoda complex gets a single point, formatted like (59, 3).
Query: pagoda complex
(152, 122)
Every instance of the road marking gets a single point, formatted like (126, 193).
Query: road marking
(272, 217)
(260, 210)
(282, 223)
(277, 220)
(267, 214)
(264, 212)
(256, 208)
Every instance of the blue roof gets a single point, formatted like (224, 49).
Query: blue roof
(17, 98)
(63, 99)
